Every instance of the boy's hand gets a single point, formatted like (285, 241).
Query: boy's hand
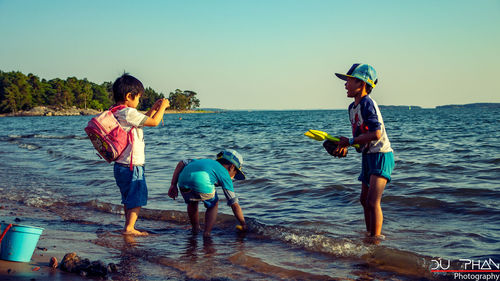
(330, 146)
(173, 192)
(242, 227)
(342, 147)
(156, 106)
(165, 103)
(161, 103)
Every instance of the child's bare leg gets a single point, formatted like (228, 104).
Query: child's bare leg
(377, 186)
(210, 217)
(192, 209)
(131, 216)
(364, 202)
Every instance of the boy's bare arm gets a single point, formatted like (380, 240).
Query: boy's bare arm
(343, 144)
(238, 213)
(173, 192)
(156, 113)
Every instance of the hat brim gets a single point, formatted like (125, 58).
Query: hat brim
(239, 175)
(343, 76)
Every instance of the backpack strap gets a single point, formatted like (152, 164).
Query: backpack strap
(130, 135)
(115, 108)
(131, 140)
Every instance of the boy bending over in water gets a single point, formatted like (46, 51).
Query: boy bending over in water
(197, 180)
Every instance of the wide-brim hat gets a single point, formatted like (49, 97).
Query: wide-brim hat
(364, 72)
(234, 158)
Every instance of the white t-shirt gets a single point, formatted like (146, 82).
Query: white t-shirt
(365, 117)
(131, 119)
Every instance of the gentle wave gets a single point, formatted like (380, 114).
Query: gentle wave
(40, 136)
(386, 258)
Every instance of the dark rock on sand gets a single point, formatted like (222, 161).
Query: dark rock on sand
(53, 262)
(84, 267)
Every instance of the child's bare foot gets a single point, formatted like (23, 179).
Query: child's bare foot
(374, 239)
(135, 232)
(195, 230)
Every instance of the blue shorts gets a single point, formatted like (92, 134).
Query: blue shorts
(378, 164)
(191, 196)
(132, 185)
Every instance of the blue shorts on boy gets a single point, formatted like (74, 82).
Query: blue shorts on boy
(132, 185)
(378, 164)
(198, 179)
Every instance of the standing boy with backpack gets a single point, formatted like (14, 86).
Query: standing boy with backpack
(129, 167)
(368, 131)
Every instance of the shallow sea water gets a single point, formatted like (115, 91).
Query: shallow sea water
(305, 220)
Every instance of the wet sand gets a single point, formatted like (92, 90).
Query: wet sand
(52, 243)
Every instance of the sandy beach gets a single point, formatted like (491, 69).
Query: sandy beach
(52, 243)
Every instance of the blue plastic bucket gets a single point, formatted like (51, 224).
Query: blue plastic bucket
(19, 242)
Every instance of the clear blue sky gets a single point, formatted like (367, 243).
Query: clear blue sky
(269, 54)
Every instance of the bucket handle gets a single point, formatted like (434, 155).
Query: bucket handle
(5, 232)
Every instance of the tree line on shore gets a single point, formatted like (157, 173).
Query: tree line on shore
(24, 92)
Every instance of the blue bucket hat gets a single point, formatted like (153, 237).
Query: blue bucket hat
(363, 72)
(234, 158)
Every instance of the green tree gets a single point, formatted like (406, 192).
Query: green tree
(82, 90)
(182, 100)
(100, 97)
(62, 95)
(149, 98)
(16, 92)
(23, 92)
(193, 101)
(38, 90)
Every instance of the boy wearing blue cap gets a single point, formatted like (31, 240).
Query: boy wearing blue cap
(197, 180)
(368, 131)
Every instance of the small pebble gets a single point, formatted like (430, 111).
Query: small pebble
(53, 262)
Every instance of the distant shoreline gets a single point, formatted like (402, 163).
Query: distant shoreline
(467, 105)
(73, 111)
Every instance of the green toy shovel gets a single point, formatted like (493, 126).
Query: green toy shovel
(321, 136)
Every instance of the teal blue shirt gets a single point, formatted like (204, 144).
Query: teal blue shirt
(203, 175)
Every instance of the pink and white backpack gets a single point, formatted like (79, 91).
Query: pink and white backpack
(108, 136)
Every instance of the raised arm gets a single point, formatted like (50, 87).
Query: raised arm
(156, 113)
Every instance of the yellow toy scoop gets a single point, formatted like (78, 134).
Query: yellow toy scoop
(321, 136)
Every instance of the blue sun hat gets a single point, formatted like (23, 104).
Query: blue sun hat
(364, 72)
(235, 158)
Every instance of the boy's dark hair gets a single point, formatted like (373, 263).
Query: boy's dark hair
(368, 88)
(126, 84)
(224, 161)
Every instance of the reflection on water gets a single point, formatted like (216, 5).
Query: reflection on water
(301, 204)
